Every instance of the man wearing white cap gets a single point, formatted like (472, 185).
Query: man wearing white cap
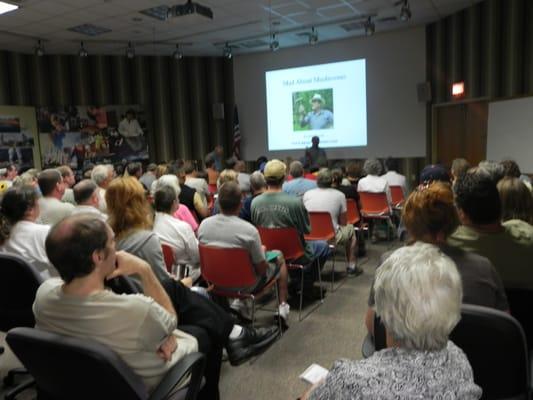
(317, 118)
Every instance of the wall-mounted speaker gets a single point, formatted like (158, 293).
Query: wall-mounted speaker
(423, 91)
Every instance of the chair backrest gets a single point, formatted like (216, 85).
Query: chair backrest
(496, 347)
(352, 212)
(285, 240)
(168, 255)
(321, 226)
(19, 282)
(521, 305)
(227, 268)
(374, 204)
(396, 194)
(78, 368)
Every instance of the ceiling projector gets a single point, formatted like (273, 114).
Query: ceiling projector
(191, 8)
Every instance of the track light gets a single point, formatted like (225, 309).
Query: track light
(274, 44)
(130, 51)
(177, 55)
(227, 52)
(370, 27)
(82, 52)
(405, 13)
(39, 49)
(313, 36)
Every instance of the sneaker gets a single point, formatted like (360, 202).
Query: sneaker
(355, 271)
(283, 311)
(250, 343)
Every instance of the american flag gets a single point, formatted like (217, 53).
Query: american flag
(236, 135)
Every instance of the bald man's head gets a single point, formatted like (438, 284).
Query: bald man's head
(84, 191)
(70, 245)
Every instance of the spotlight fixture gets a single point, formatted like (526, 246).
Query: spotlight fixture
(177, 55)
(313, 36)
(370, 27)
(82, 52)
(227, 52)
(130, 51)
(405, 13)
(39, 49)
(274, 44)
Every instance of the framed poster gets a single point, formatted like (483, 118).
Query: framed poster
(18, 137)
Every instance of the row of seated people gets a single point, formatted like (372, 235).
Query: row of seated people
(128, 188)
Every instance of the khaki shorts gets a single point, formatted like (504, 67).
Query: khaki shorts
(344, 234)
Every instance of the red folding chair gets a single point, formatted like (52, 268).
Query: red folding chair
(376, 206)
(168, 255)
(322, 229)
(397, 197)
(288, 242)
(232, 275)
(354, 217)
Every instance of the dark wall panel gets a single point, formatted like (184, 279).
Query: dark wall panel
(18, 79)
(142, 95)
(60, 80)
(181, 116)
(161, 108)
(198, 107)
(472, 51)
(40, 80)
(81, 81)
(101, 79)
(120, 70)
(215, 95)
(5, 97)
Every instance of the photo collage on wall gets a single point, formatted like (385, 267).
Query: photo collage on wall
(78, 135)
(17, 137)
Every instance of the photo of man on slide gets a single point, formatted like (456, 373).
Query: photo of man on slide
(319, 117)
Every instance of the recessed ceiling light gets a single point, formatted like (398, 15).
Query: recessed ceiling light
(89, 29)
(7, 7)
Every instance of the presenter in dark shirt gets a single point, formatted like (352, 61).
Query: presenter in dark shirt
(315, 157)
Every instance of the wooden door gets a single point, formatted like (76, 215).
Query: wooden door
(460, 131)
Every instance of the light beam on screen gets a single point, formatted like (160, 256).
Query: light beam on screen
(324, 100)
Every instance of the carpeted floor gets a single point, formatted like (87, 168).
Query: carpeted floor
(335, 330)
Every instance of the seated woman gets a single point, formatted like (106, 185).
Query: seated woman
(430, 216)
(418, 296)
(517, 200)
(130, 218)
(182, 212)
(19, 234)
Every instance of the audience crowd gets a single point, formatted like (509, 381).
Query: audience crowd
(468, 238)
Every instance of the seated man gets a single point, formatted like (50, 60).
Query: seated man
(372, 182)
(52, 188)
(324, 198)
(276, 209)
(392, 176)
(87, 199)
(257, 186)
(213, 231)
(508, 245)
(175, 233)
(140, 328)
(298, 185)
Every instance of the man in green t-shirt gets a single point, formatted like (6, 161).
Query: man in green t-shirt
(276, 209)
(509, 246)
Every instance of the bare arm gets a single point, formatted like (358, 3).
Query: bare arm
(128, 264)
(369, 320)
(308, 391)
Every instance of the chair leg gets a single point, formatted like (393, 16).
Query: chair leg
(302, 295)
(253, 311)
(320, 280)
(279, 303)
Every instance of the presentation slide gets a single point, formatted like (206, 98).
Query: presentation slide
(326, 100)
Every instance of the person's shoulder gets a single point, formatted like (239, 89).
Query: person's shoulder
(519, 230)
(467, 259)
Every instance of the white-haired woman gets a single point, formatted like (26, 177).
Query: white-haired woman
(418, 296)
(182, 213)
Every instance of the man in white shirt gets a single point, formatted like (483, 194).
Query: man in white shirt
(243, 177)
(392, 177)
(325, 198)
(175, 233)
(69, 179)
(372, 182)
(130, 129)
(102, 175)
(87, 200)
(52, 210)
(142, 329)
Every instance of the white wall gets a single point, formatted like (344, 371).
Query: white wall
(396, 63)
(510, 132)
